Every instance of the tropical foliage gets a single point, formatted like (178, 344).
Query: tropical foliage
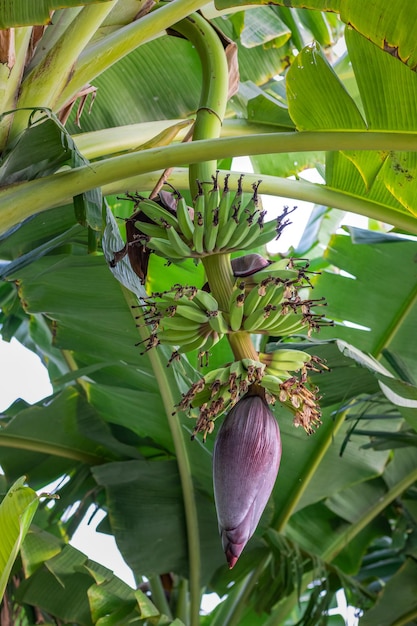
(103, 98)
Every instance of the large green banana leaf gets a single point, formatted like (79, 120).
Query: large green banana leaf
(16, 513)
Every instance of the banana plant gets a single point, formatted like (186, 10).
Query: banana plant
(82, 291)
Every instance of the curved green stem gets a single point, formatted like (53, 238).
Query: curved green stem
(131, 137)
(214, 88)
(106, 51)
(22, 200)
(184, 468)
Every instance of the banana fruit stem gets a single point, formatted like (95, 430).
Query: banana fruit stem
(220, 277)
(221, 280)
(242, 346)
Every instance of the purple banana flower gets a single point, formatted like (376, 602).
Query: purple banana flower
(247, 453)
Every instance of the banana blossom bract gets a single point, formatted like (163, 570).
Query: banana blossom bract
(246, 460)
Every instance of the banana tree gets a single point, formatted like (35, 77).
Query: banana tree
(177, 90)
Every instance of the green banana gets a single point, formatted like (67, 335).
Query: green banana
(286, 325)
(157, 214)
(198, 343)
(254, 369)
(164, 248)
(178, 323)
(178, 244)
(218, 323)
(211, 340)
(211, 220)
(221, 374)
(236, 205)
(237, 369)
(276, 270)
(239, 233)
(184, 219)
(152, 230)
(230, 223)
(214, 381)
(247, 220)
(236, 306)
(272, 384)
(224, 205)
(253, 300)
(177, 337)
(283, 355)
(268, 232)
(205, 301)
(250, 240)
(225, 235)
(255, 321)
(199, 210)
(191, 312)
(198, 238)
(273, 294)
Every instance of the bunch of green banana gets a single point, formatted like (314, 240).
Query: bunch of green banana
(267, 301)
(282, 361)
(186, 317)
(240, 227)
(217, 222)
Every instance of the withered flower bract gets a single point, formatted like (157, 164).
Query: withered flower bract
(246, 459)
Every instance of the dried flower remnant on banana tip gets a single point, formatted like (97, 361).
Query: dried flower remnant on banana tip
(246, 460)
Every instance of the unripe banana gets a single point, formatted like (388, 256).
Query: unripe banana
(211, 219)
(199, 210)
(286, 325)
(247, 219)
(254, 322)
(282, 355)
(178, 323)
(236, 306)
(205, 301)
(225, 234)
(191, 312)
(212, 380)
(218, 323)
(178, 244)
(253, 300)
(196, 343)
(152, 230)
(250, 240)
(275, 271)
(157, 214)
(198, 237)
(164, 248)
(177, 337)
(272, 384)
(269, 231)
(224, 206)
(184, 220)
